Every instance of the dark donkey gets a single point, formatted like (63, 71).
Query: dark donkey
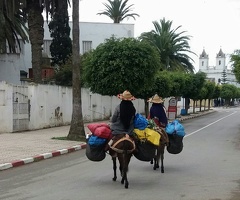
(160, 150)
(122, 147)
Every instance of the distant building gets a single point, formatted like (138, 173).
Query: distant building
(220, 72)
(16, 68)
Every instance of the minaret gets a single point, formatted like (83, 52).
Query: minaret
(203, 61)
(220, 60)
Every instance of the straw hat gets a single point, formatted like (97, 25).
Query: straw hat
(126, 95)
(155, 99)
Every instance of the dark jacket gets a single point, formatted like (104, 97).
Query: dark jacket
(157, 110)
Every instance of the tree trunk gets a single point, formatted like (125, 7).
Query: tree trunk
(200, 106)
(209, 100)
(76, 131)
(146, 107)
(194, 102)
(36, 34)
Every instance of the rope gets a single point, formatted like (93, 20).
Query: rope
(114, 148)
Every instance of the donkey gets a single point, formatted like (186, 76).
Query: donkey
(122, 147)
(164, 141)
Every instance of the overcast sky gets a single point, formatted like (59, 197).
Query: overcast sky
(212, 24)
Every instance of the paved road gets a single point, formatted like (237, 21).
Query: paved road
(207, 169)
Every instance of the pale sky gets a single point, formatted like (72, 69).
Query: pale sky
(212, 24)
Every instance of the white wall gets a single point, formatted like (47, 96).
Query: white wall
(51, 105)
(10, 66)
(6, 107)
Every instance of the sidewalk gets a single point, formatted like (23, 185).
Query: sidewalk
(21, 148)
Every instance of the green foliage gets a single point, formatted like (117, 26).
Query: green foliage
(203, 93)
(12, 25)
(173, 47)
(228, 91)
(61, 46)
(63, 76)
(217, 91)
(118, 10)
(177, 83)
(224, 77)
(210, 86)
(194, 88)
(161, 85)
(235, 59)
(121, 64)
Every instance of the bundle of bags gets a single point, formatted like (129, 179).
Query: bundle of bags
(147, 139)
(97, 140)
(176, 133)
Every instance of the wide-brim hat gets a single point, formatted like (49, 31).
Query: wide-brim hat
(155, 99)
(126, 95)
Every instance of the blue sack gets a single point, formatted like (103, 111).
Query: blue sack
(96, 141)
(140, 122)
(175, 126)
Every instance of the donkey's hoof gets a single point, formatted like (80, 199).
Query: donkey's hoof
(114, 179)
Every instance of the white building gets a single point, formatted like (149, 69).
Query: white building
(215, 73)
(13, 67)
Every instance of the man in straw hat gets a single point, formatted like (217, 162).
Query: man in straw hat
(122, 120)
(158, 111)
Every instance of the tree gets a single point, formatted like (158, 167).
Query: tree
(235, 59)
(228, 92)
(202, 95)
(210, 86)
(34, 9)
(161, 85)
(121, 64)
(172, 46)
(197, 82)
(76, 131)
(63, 76)
(224, 77)
(61, 46)
(12, 25)
(118, 10)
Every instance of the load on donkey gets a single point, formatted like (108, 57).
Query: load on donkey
(129, 134)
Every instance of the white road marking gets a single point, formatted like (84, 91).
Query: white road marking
(210, 124)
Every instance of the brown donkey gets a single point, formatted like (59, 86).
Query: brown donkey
(122, 147)
(164, 141)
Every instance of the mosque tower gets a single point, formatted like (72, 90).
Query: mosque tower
(203, 61)
(220, 61)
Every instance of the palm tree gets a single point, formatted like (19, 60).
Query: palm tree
(77, 128)
(172, 46)
(118, 10)
(12, 26)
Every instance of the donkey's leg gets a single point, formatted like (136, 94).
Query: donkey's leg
(114, 168)
(162, 158)
(156, 159)
(126, 162)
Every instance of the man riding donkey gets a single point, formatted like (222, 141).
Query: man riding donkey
(159, 117)
(122, 145)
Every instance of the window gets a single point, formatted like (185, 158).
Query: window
(219, 62)
(87, 46)
(202, 63)
(46, 47)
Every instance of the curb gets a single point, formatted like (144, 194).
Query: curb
(196, 115)
(40, 157)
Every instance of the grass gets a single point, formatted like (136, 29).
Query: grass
(80, 139)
